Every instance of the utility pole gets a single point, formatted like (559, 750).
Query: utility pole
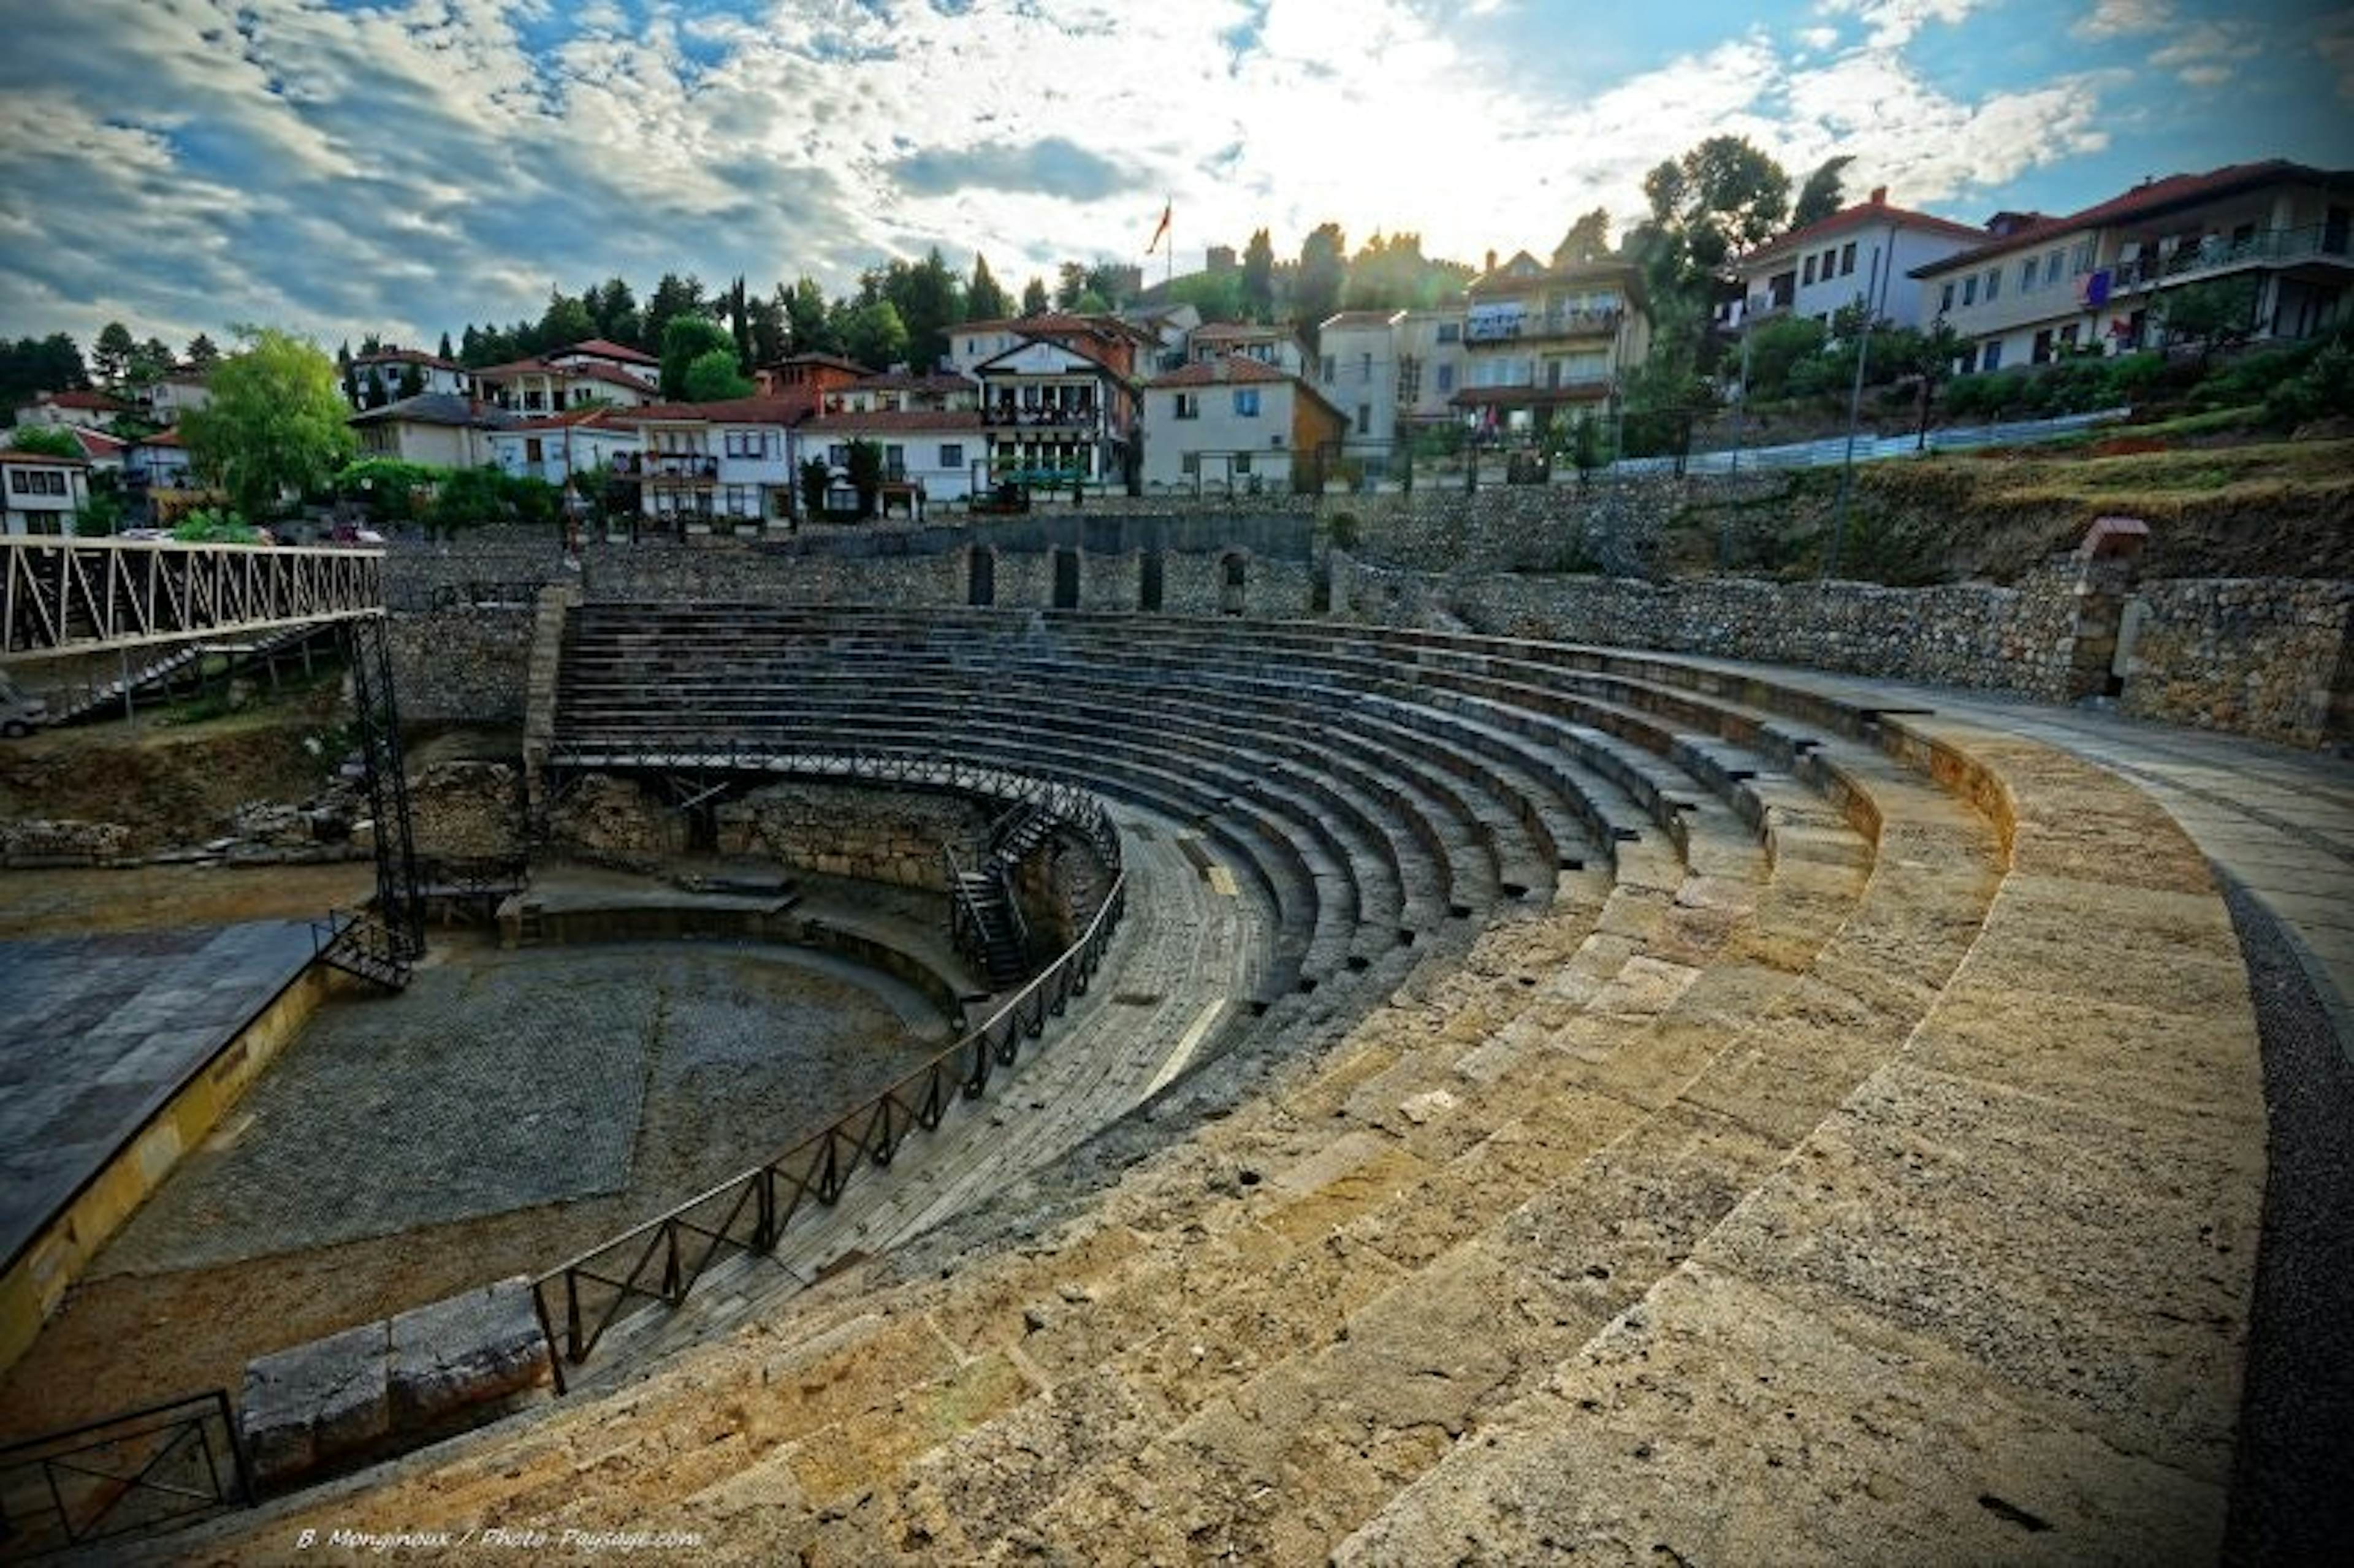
(1854, 412)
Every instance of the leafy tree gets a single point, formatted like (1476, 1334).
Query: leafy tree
(111, 358)
(1721, 197)
(412, 379)
(1258, 277)
(1217, 295)
(102, 513)
(1586, 447)
(713, 377)
(49, 440)
(734, 311)
(1776, 347)
(1391, 274)
(208, 525)
(1323, 271)
(615, 310)
(808, 325)
(1034, 297)
(204, 353)
(673, 297)
(816, 479)
(687, 340)
(566, 321)
(275, 422)
(983, 300)
(1070, 282)
(767, 323)
(929, 300)
(149, 362)
(866, 474)
(1588, 239)
(53, 364)
(872, 333)
(1932, 358)
(2212, 314)
(1090, 303)
(1112, 282)
(441, 352)
(1820, 197)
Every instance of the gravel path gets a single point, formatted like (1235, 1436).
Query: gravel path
(2293, 1482)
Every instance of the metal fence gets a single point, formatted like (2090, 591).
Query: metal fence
(658, 1263)
(127, 1476)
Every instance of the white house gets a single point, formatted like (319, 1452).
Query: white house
(372, 380)
(159, 461)
(595, 371)
(561, 445)
(175, 393)
(42, 493)
(936, 449)
(901, 389)
(1356, 370)
(1052, 407)
(90, 410)
(1277, 346)
(1430, 365)
(1829, 264)
(727, 464)
(432, 427)
(2096, 280)
(1236, 424)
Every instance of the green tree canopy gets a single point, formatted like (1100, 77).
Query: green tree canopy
(112, 355)
(1258, 277)
(1588, 239)
(2212, 314)
(808, 325)
(685, 340)
(275, 423)
(1323, 271)
(1820, 197)
(874, 335)
(567, 321)
(49, 440)
(673, 297)
(204, 353)
(713, 375)
(983, 300)
(1034, 297)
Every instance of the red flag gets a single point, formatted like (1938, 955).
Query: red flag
(1162, 232)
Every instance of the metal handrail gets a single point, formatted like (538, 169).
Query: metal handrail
(663, 1260)
(60, 1460)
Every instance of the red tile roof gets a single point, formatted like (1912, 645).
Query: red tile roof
(1861, 215)
(789, 408)
(599, 415)
(606, 348)
(540, 366)
(98, 402)
(2144, 201)
(407, 356)
(97, 444)
(170, 438)
(14, 454)
(1231, 369)
(908, 381)
(896, 420)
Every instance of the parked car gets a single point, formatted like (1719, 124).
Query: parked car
(19, 714)
(355, 533)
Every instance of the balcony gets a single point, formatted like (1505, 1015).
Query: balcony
(677, 468)
(2266, 248)
(1542, 325)
(1084, 418)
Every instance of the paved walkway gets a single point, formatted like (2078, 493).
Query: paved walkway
(99, 1031)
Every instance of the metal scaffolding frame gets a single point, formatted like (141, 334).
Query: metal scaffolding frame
(73, 596)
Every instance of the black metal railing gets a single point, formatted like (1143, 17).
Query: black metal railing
(658, 1264)
(127, 1476)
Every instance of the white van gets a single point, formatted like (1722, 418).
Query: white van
(19, 714)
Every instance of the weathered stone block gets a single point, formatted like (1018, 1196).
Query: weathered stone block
(468, 1350)
(309, 1403)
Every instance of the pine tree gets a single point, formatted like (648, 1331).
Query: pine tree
(983, 300)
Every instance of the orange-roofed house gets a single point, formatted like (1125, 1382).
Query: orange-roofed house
(1236, 424)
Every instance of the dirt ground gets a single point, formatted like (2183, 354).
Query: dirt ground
(57, 902)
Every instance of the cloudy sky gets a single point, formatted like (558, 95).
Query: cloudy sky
(342, 167)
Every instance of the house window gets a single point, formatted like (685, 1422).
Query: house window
(17, 478)
(2083, 262)
(951, 455)
(1806, 272)
(1241, 463)
(1450, 332)
(2026, 277)
(1190, 463)
(2052, 265)
(1994, 284)
(1189, 405)
(1329, 371)
(1246, 402)
(1847, 259)
(531, 448)
(1447, 379)
(1945, 299)
(838, 455)
(1992, 359)
(1364, 368)
(895, 463)
(2041, 354)
(1365, 418)
(1969, 291)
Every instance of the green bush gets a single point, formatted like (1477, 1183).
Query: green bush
(391, 489)
(469, 496)
(206, 526)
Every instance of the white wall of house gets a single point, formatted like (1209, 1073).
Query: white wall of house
(54, 414)
(941, 460)
(41, 498)
(161, 468)
(389, 374)
(555, 455)
(174, 395)
(1357, 373)
(1430, 363)
(413, 441)
(1217, 433)
(968, 348)
(752, 473)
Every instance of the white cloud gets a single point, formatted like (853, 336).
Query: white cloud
(2118, 18)
(403, 168)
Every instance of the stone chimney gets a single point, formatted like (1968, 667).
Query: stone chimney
(1491, 260)
(1880, 195)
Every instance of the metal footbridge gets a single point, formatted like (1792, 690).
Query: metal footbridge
(60, 595)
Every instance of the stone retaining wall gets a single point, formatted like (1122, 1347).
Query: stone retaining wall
(891, 836)
(2260, 656)
(461, 664)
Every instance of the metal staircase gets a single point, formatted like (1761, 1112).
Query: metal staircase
(985, 920)
(158, 679)
(359, 943)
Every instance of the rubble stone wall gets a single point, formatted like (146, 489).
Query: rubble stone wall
(2260, 656)
(877, 835)
(466, 663)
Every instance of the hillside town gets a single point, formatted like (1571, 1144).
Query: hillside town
(1573, 358)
